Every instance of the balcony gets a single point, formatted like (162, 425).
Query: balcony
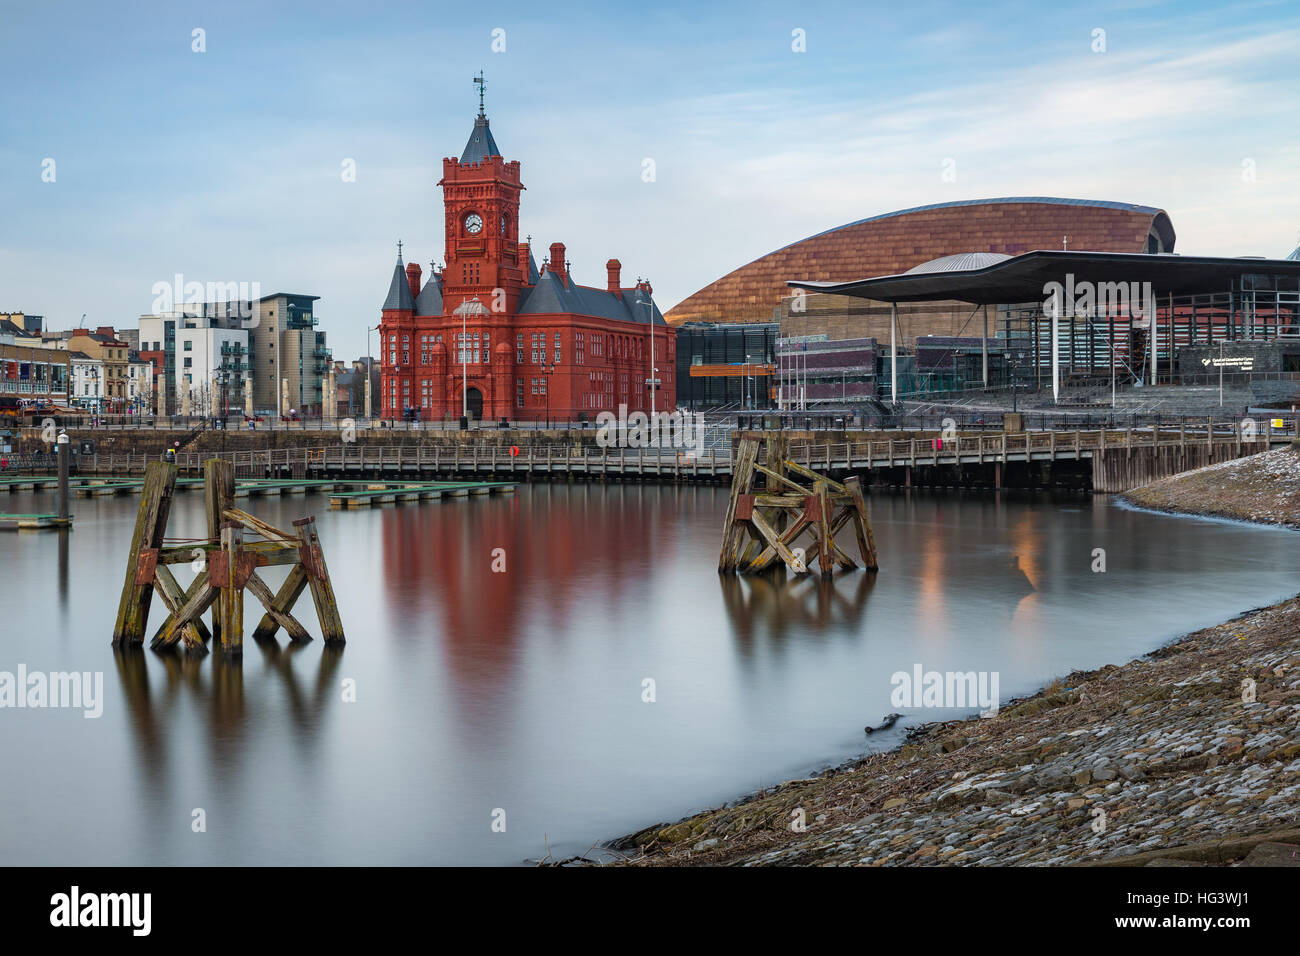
(321, 352)
(234, 350)
(300, 321)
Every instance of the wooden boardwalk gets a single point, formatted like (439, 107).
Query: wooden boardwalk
(1119, 456)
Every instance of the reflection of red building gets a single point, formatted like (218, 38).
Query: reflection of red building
(534, 341)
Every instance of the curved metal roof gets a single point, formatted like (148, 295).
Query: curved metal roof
(960, 262)
(1023, 278)
(1049, 200)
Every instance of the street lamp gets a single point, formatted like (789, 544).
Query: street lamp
(547, 369)
(653, 382)
(370, 367)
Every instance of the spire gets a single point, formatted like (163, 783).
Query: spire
(481, 145)
(399, 290)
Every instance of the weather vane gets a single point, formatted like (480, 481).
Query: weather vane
(481, 84)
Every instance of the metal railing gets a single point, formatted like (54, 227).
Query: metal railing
(344, 459)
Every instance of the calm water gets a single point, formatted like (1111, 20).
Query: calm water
(522, 690)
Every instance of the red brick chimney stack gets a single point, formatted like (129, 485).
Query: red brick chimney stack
(614, 269)
(413, 279)
(557, 261)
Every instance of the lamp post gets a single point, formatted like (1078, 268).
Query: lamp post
(370, 368)
(653, 381)
(547, 369)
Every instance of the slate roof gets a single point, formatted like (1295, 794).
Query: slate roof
(429, 301)
(399, 290)
(549, 295)
(481, 145)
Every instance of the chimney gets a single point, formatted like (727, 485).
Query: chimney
(413, 279)
(557, 261)
(613, 268)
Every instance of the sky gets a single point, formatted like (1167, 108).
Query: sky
(684, 139)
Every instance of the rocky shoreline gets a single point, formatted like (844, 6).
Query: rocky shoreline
(1263, 488)
(1191, 753)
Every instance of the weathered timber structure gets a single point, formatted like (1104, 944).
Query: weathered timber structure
(228, 568)
(764, 526)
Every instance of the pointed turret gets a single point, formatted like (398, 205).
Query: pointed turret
(399, 290)
(481, 145)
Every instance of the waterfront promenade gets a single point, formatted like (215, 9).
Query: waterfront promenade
(1109, 460)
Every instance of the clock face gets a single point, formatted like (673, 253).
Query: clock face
(473, 223)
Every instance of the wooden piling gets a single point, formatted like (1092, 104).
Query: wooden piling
(318, 579)
(232, 588)
(150, 526)
(775, 518)
(218, 495)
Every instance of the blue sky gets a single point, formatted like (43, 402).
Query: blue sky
(225, 165)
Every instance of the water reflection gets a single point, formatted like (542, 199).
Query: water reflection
(216, 683)
(522, 688)
(777, 604)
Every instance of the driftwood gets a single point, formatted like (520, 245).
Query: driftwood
(762, 527)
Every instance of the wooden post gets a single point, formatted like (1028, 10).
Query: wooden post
(862, 524)
(318, 579)
(741, 481)
(232, 591)
(218, 495)
(825, 543)
(150, 526)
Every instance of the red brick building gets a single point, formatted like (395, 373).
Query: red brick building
(494, 335)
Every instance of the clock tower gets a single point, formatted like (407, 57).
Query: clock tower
(492, 337)
(480, 194)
